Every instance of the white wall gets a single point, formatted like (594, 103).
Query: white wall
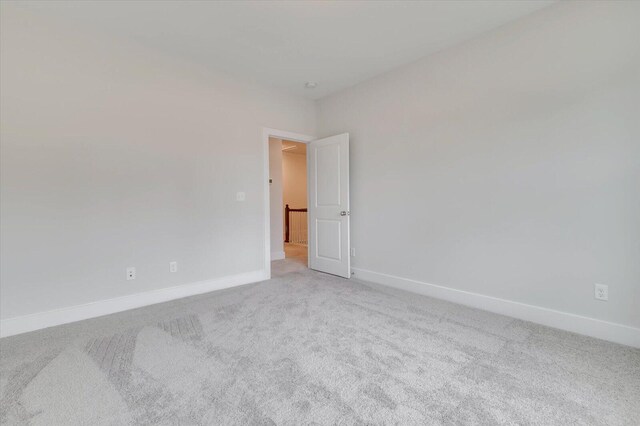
(275, 197)
(507, 166)
(114, 156)
(294, 171)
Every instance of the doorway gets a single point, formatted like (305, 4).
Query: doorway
(294, 201)
(287, 200)
(298, 235)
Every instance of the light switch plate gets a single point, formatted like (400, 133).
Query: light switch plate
(241, 196)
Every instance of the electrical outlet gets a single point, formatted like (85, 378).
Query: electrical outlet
(241, 196)
(601, 292)
(173, 267)
(131, 273)
(353, 252)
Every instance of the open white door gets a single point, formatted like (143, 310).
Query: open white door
(328, 180)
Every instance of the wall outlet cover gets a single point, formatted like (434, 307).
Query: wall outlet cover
(131, 273)
(601, 292)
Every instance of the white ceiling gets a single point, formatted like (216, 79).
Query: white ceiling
(284, 44)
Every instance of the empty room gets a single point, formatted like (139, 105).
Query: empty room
(320, 212)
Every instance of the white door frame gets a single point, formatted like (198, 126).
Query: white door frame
(280, 134)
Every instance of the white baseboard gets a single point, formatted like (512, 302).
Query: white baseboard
(37, 321)
(277, 255)
(592, 327)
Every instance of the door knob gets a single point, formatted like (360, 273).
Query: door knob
(344, 213)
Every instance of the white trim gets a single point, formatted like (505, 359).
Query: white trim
(37, 321)
(605, 330)
(277, 255)
(281, 134)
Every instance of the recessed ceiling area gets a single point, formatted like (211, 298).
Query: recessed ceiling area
(291, 147)
(284, 44)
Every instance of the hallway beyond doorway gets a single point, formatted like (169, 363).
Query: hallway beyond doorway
(296, 253)
(295, 260)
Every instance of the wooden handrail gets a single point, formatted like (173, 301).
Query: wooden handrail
(287, 209)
